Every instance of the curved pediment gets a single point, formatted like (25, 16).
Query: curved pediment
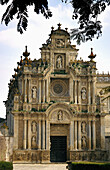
(59, 112)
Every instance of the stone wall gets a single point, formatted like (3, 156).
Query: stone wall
(6, 148)
(2, 148)
(107, 141)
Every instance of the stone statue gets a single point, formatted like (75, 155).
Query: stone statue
(83, 127)
(60, 115)
(59, 62)
(33, 144)
(83, 142)
(84, 94)
(34, 93)
(34, 127)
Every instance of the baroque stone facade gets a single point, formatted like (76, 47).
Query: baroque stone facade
(57, 105)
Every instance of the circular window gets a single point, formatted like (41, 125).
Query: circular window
(58, 88)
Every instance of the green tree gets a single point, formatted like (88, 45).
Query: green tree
(85, 11)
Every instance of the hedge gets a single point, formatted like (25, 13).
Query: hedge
(88, 166)
(6, 165)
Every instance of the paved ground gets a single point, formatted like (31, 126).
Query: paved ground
(39, 166)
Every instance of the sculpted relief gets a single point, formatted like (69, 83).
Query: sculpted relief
(59, 115)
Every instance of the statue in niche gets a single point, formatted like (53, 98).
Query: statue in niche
(34, 92)
(83, 127)
(83, 142)
(59, 62)
(33, 142)
(60, 115)
(34, 127)
(83, 93)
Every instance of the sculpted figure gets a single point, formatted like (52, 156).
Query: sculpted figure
(59, 62)
(84, 144)
(60, 115)
(83, 94)
(34, 142)
(34, 128)
(83, 127)
(34, 93)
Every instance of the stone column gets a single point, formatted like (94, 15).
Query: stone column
(43, 147)
(89, 94)
(43, 91)
(71, 135)
(16, 127)
(79, 135)
(39, 91)
(47, 135)
(39, 132)
(75, 135)
(94, 135)
(102, 132)
(89, 135)
(75, 92)
(25, 133)
(25, 90)
(48, 89)
(93, 96)
(29, 134)
(79, 92)
(71, 90)
(30, 92)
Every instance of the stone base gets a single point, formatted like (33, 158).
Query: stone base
(99, 155)
(31, 156)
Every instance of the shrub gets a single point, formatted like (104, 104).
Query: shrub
(6, 165)
(88, 166)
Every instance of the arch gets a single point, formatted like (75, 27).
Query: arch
(59, 106)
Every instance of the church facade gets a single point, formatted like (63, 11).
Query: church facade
(56, 105)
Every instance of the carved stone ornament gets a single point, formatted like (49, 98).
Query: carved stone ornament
(58, 88)
(60, 43)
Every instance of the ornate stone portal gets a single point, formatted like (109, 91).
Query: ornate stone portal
(57, 99)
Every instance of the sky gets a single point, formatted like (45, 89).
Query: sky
(12, 44)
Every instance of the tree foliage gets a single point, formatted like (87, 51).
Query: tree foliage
(85, 11)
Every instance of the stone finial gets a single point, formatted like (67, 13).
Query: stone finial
(26, 54)
(92, 56)
(59, 26)
(66, 29)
